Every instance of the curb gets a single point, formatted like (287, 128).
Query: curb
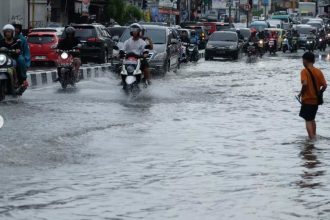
(41, 78)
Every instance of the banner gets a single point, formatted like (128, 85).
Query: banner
(167, 4)
(85, 7)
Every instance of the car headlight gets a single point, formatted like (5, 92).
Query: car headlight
(232, 47)
(3, 59)
(320, 40)
(64, 55)
(9, 62)
(209, 46)
(160, 56)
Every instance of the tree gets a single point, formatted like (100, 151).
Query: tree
(115, 9)
(122, 13)
(132, 14)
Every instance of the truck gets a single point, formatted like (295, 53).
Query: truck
(307, 9)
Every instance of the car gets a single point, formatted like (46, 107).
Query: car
(275, 23)
(222, 44)
(43, 47)
(57, 30)
(216, 26)
(221, 26)
(316, 25)
(259, 25)
(165, 54)
(116, 32)
(303, 31)
(245, 33)
(97, 44)
(202, 33)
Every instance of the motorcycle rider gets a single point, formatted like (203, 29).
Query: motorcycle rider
(11, 43)
(69, 43)
(23, 61)
(252, 39)
(194, 39)
(136, 45)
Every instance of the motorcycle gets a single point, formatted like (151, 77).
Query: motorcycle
(272, 46)
(286, 45)
(251, 51)
(7, 75)
(261, 45)
(131, 74)
(192, 54)
(294, 46)
(322, 44)
(310, 45)
(65, 70)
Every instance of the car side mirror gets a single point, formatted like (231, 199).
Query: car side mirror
(115, 47)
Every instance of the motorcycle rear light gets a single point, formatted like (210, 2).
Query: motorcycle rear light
(94, 40)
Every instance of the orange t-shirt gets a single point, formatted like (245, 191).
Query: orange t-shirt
(310, 96)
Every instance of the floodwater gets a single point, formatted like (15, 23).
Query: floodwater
(216, 140)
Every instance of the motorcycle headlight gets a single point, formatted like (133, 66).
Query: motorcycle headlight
(328, 35)
(3, 59)
(320, 40)
(261, 42)
(209, 46)
(64, 55)
(159, 56)
(130, 68)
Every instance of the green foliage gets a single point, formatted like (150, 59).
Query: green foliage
(121, 12)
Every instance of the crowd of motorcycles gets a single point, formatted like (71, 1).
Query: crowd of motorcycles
(290, 43)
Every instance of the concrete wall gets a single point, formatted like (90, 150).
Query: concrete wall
(18, 9)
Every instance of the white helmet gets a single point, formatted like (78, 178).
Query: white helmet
(9, 27)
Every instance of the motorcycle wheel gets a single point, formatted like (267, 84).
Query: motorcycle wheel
(2, 90)
(64, 85)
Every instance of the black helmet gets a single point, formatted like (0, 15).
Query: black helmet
(135, 28)
(17, 24)
(70, 30)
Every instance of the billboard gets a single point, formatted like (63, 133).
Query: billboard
(85, 7)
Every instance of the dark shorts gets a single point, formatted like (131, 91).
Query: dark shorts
(144, 64)
(308, 112)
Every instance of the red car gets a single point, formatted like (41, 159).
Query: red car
(43, 47)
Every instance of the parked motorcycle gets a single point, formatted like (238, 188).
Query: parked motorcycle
(8, 79)
(65, 70)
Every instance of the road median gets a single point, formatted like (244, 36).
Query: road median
(45, 77)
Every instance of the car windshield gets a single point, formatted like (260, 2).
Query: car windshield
(223, 37)
(259, 26)
(116, 31)
(316, 25)
(245, 33)
(41, 39)
(158, 36)
(83, 33)
(304, 30)
(222, 27)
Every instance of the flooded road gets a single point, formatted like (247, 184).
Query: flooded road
(217, 140)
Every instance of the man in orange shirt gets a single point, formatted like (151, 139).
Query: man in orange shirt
(310, 91)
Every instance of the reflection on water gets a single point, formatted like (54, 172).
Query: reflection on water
(310, 162)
